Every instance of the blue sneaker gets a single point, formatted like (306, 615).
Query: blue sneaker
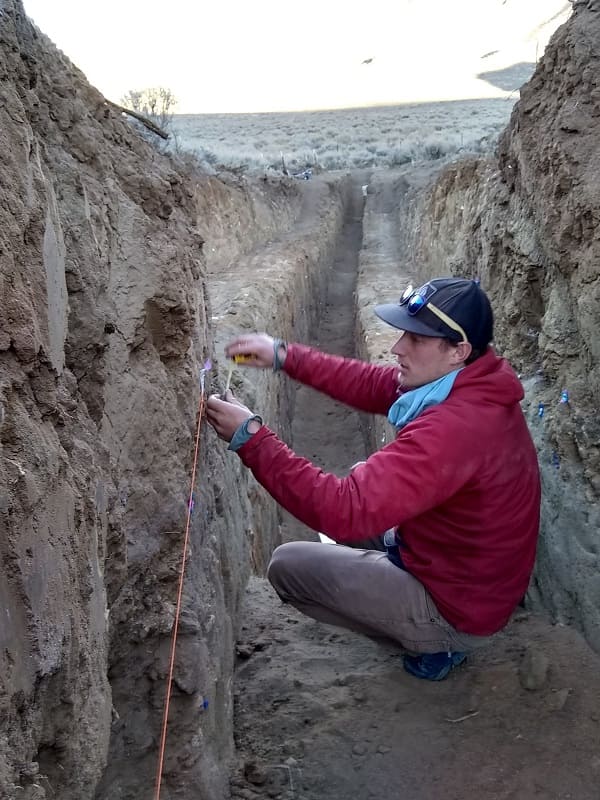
(432, 666)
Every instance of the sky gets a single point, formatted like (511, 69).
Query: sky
(234, 56)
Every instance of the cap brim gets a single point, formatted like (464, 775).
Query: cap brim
(398, 317)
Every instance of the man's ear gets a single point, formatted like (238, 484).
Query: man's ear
(461, 352)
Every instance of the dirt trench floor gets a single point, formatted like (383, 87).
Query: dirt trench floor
(322, 713)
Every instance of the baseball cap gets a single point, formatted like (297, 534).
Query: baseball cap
(453, 308)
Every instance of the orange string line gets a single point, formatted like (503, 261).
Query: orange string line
(163, 738)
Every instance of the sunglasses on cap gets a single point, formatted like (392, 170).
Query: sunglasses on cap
(416, 299)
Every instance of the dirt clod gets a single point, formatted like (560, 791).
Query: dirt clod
(533, 672)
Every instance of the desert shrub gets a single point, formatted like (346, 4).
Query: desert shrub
(331, 159)
(373, 137)
(399, 156)
(158, 104)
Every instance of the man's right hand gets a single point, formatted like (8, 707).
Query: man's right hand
(257, 345)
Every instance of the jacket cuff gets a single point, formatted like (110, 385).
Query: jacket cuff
(293, 356)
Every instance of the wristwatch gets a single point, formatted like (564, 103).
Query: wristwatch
(278, 360)
(242, 434)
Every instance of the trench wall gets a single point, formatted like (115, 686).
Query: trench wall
(248, 287)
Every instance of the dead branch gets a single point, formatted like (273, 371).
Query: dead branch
(141, 118)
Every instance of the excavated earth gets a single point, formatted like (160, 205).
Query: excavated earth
(122, 270)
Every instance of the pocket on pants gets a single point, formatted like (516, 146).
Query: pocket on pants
(436, 618)
(456, 639)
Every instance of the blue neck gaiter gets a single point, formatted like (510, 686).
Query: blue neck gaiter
(410, 404)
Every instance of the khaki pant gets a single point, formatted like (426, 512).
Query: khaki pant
(363, 591)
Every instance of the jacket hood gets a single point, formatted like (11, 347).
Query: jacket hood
(490, 379)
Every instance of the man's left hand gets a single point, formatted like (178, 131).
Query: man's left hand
(226, 415)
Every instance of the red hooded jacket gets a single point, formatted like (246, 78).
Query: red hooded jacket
(460, 483)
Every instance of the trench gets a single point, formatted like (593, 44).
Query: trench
(318, 712)
(323, 712)
(329, 433)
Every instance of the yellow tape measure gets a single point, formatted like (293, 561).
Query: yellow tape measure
(239, 358)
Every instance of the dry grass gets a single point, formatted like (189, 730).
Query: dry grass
(345, 139)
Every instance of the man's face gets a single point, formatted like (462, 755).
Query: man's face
(423, 359)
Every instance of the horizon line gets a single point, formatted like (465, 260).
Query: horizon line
(398, 104)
